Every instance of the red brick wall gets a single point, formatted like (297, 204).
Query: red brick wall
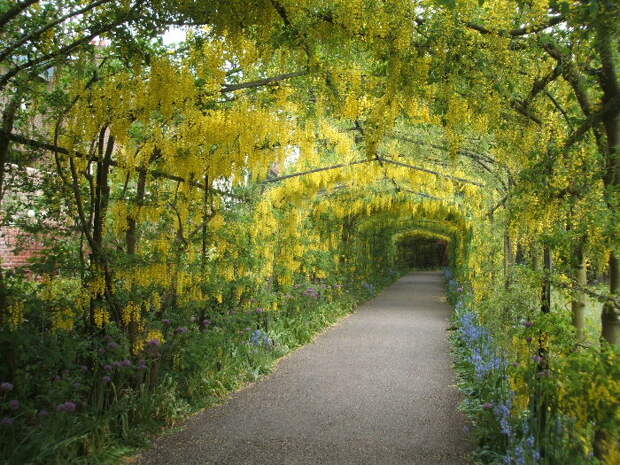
(17, 247)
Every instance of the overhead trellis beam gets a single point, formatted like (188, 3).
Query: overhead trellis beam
(379, 159)
(478, 158)
(316, 170)
(409, 191)
(464, 152)
(426, 196)
(426, 170)
(262, 82)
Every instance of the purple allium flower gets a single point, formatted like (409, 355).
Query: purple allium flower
(487, 405)
(43, 413)
(126, 363)
(206, 323)
(68, 407)
(107, 367)
(56, 378)
(14, 404)
(112, 345)
(181, 330)
(117, 364)
(6, 421)
(106, 379)
(311, 292)
(528, 339)
(528, 324)
(154, 343)
(6, 387)
(260, 310)
(166, 322)
(537, 358)
(142, 365)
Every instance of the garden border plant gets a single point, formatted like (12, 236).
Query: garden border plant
(528, 406)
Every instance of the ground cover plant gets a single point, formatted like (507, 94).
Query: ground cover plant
(200, 208)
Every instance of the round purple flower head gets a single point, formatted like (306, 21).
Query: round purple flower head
(56, 378)
(112, 345)
(106, 379)
(181, 330)
(14, 404)
(487, 405)
(154, 343)
(126, 363)
(528, 324)
(68, 407)
(6, 387)
(206, 323)
(6, 421)
(107, 367)
(166, 322)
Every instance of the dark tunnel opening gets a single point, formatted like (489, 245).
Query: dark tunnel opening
(423, 251)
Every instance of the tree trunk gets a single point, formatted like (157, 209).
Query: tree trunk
(508, 258)
(545, 304)
(608, 79)
(8, 118)
(605, 41)
(131, 236)
(578, 303)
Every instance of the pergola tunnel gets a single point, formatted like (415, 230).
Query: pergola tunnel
(189, 191)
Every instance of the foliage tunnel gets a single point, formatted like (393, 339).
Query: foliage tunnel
(203, 207)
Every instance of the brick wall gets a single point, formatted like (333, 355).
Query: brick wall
(17, 247)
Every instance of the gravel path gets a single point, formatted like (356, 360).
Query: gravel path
(375, 389)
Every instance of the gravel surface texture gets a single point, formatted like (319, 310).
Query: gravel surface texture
(376, 389)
